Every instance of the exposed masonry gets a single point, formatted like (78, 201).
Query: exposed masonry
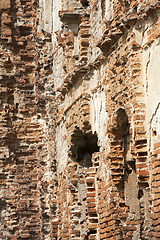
(79, 119)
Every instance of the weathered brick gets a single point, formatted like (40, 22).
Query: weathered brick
(79, 119)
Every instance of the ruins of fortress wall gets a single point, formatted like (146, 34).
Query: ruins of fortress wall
(107, 124)
(80, 117)
(27, 165)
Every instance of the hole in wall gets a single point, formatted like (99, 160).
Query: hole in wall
(93, 231)
(132, 165)
(128, 171)
(142, 154)
(122, 205)
(142, 182)
(25, 31)
(85, 3)
(141, 142)
(154, 133)
(84, 145)
(85, 152)
(122, 121)
(140, 193)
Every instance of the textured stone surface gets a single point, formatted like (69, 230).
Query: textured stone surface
(107, 92)
(79, 119)
(26, 159)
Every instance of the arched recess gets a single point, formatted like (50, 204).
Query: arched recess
(124, 169)
(118, 131)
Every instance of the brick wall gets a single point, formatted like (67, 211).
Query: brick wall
(105, 93)
(26, 170)
(79, 119)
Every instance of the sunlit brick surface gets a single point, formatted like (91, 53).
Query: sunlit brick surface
(79, 119)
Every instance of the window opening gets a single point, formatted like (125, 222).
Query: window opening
(85, 144)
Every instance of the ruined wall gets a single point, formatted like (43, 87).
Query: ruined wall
(79, 119)
(27, 164)
(107, 103)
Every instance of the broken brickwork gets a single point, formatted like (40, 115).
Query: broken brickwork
(106, 92)
(26, 170)
(80, 119)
